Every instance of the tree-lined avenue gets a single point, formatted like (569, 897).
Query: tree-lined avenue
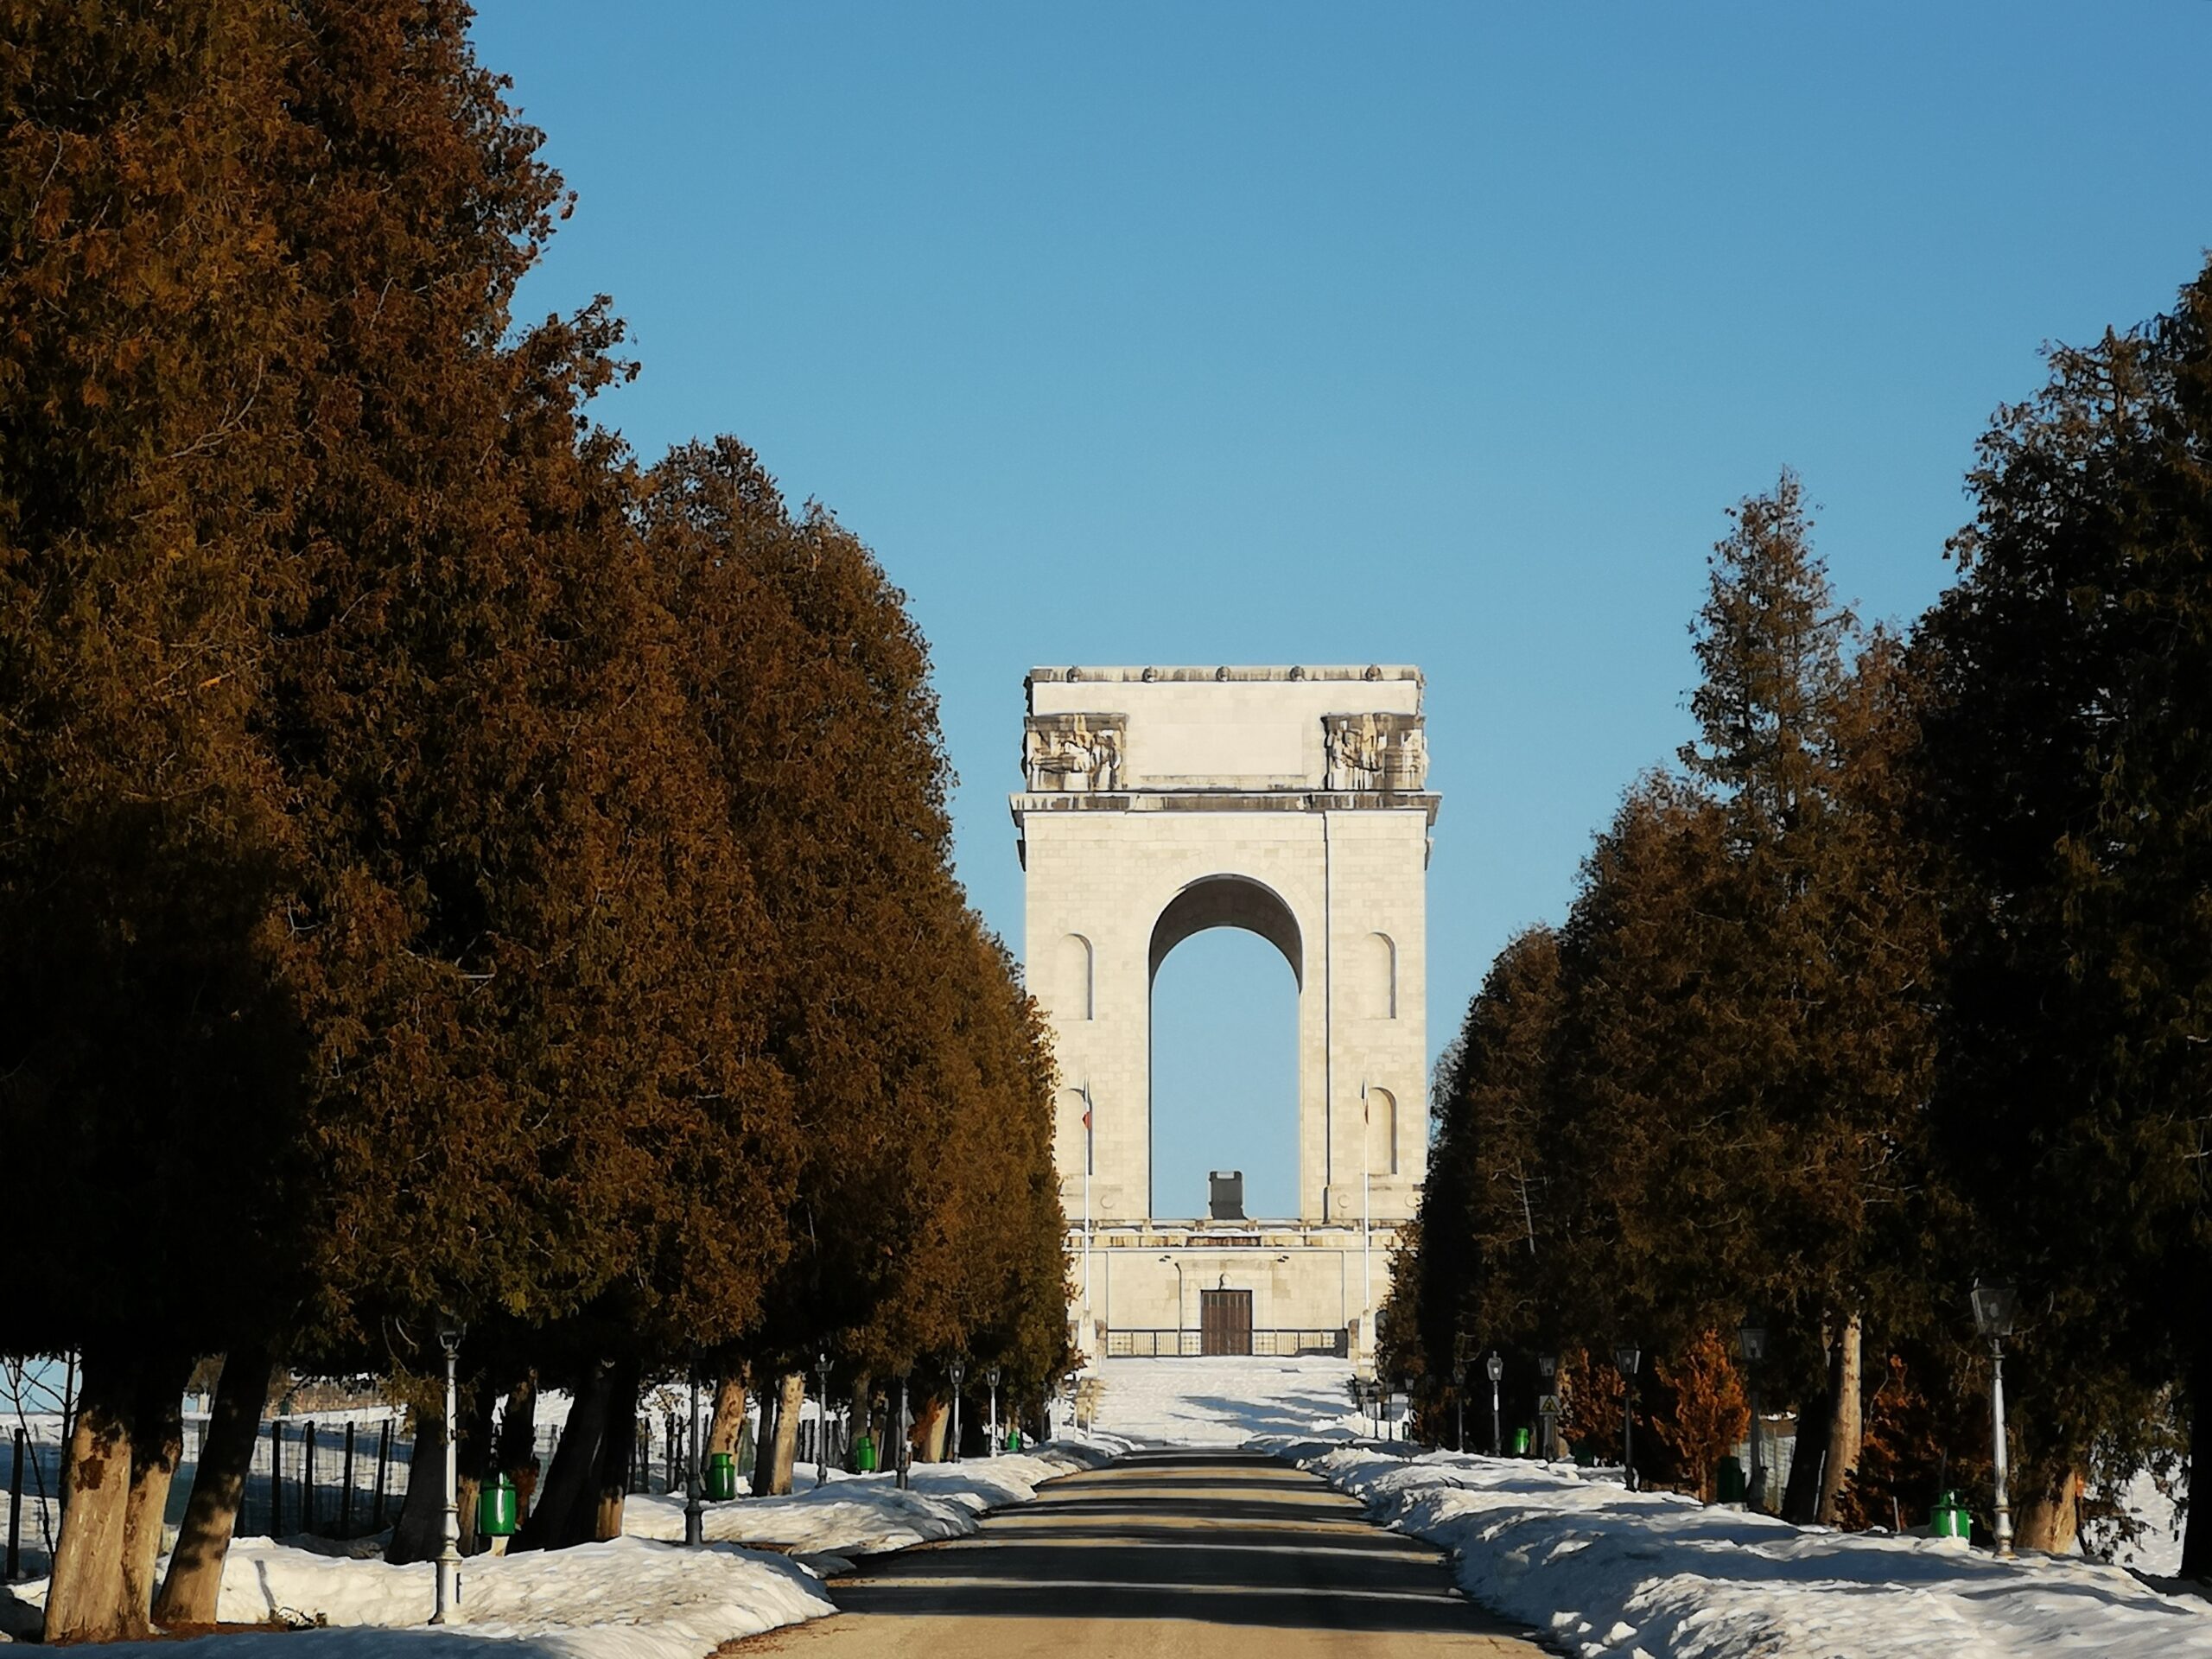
(1223, 1553)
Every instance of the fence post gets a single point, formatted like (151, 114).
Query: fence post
(306, 1477)
(346, 1486)
(16, 1512)
(384, 1472)
(275, 1476)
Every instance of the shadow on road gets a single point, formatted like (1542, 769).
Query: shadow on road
(1241, 1540)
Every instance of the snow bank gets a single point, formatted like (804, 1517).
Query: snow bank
(642, 1596)
(627, 1599)
(865, 1514)
(1611, 1571)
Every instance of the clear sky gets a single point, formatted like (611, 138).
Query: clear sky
(1278, 333)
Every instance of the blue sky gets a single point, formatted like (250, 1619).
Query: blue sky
(1227, 333)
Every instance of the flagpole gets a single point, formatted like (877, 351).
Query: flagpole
(1089, 1330)
(1366, 1218)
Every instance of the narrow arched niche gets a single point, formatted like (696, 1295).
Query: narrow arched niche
(1382, 975)
(1382, 1132)
(1075, 984)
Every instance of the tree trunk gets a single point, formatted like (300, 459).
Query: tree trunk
(419, 1533)
(570, 1497)
(1801, 1501)
(1846, 1427)
(85, 1601)
(617, 1450)
(474, 1458)
(2196, 1539)
(518, 1452)
(156, 1444)
(790, 1407)
(764, 1449)
(195, 1576)
(2049, 1516)
(929, 1433)
(727, 1432)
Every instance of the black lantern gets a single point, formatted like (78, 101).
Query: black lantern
(1995, 1308)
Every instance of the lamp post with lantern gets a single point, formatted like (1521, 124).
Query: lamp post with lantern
(1548, 1403)
(1994, 1309)
(448, 1610)
(822, 1447)
(1750, 1342)
(956, 1371)
(695, 1514)
(903, 1450)
(1625, 1357)
(991, 1376)
(1495, 1365)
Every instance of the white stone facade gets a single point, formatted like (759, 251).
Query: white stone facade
(1288, 801)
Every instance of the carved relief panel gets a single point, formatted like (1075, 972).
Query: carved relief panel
(1382, 751)
(1072, 752)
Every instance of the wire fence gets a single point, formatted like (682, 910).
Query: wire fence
(338, 1475)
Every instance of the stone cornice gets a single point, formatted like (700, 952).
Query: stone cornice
(1228, 800)
(1227, 674)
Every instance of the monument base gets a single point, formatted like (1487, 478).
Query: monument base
(1190, 1289)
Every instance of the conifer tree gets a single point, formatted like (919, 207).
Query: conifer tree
(1480, 1266)
(151, 342)
(2067, 769)
(1829, 950)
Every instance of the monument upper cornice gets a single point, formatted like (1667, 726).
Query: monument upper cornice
(1226, 673)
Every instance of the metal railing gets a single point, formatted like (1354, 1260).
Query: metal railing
(1137, 1343)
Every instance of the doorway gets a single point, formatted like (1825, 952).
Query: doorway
(1224, 1322)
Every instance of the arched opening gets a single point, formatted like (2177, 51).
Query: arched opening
(1227, 964)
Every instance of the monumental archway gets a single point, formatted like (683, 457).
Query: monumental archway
(1288, 801)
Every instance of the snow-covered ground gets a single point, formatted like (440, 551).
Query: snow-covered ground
(865, 1514)
(1225, 1401)
(1610, 1572)
(640, 1596)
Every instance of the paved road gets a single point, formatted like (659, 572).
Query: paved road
(1213, 1555)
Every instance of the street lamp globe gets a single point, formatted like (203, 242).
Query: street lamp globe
(1995, 1308)
(1495, 1365)
(1751, 1341)
(1625, 1357)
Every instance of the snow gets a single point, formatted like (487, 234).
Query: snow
(2157, 1550)
(642, 1596)
(1225, 1401)
(1605, 1571)
(865, 1514)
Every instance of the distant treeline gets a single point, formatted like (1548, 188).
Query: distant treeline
(449, 870)
(1901, 978)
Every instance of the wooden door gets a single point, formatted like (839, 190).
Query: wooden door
(1224, 1322)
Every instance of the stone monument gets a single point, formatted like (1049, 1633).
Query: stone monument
(1291, 802)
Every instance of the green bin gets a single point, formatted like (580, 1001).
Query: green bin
(1728, 1484)
(864, 1454)
(495, 1508)
(721, 1475)
(1950, 1518)
(1521, 1437)
(1013, 1440)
